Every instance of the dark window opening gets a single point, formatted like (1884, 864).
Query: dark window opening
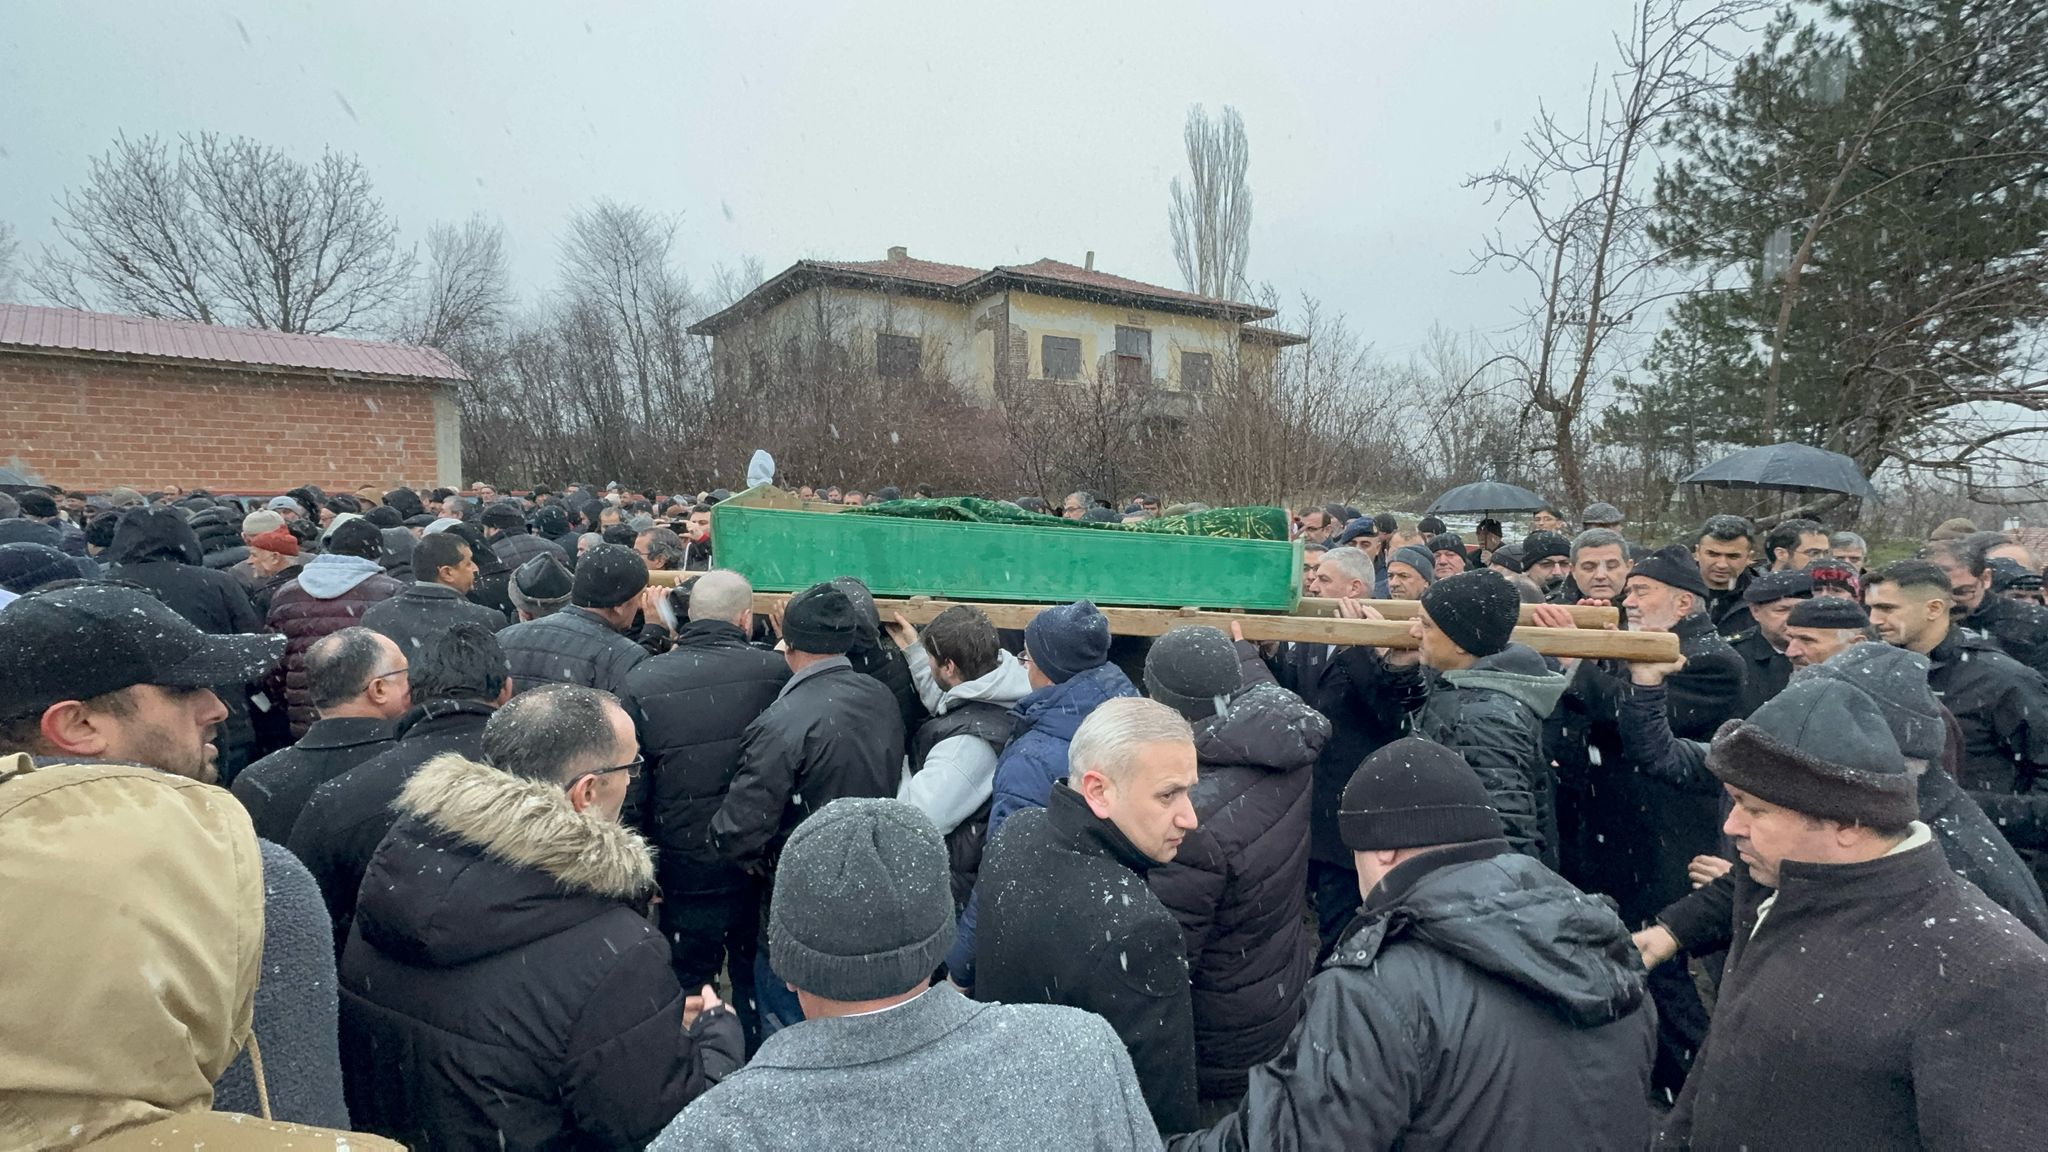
(1061, 357)
(897, 357)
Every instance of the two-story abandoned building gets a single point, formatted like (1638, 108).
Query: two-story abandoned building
(989, 330)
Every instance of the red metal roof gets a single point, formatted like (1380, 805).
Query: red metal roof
(67, 329)
(1049, 269)
(923, 271)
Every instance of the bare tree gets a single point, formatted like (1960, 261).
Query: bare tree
(461, 299)
(731, 282)
(10, 251)
(1211, 215)
(1583, 243)
(227, 230)
(622, 285)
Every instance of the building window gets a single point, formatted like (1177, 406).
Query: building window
(897, 357)
(1133, 355)
(1197, 371)
(1061, 357)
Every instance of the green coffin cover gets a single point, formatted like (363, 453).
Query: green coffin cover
(781, 545)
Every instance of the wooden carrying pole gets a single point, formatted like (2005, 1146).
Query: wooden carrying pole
(1310, 625)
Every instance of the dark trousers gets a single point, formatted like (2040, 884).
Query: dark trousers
(710, 931)
(1334, 891)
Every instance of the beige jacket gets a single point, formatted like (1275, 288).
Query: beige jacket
(131, 940)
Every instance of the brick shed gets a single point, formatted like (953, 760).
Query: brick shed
(90, 400)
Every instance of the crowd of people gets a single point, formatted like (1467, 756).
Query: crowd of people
(435, 820)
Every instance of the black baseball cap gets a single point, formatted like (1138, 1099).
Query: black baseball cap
(88, 640)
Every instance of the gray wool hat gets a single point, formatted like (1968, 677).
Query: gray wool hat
(1419, 558)
(1601, 515)
(863, 904)
(1897, 679)
(1823, 748)
(1193, 671)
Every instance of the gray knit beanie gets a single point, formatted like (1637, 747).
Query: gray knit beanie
(863, 904)
(1822, 748)
(1193, 670)
(1897, 679)
(1419, 558)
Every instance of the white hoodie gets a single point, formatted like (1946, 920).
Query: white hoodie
(960, 772)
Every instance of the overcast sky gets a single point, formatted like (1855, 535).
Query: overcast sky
(971, 133)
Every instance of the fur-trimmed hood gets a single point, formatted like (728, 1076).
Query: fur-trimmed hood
(482, 861)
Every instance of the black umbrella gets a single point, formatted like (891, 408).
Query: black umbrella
(12, 481)
(1487, 496)
(1787, 468)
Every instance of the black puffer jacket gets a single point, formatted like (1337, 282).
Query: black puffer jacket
(692, 706)
(422, 611)
(832, 732)
(1492, 714)
(516, 548)
(1367, 702)
(338, 829)
(2002, 708)
(572, 646)
(1479, 1001)
(1239, 885)
(2020, 629)
(501, 988)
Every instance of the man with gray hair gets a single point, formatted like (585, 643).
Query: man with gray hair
(862, 914)
(358, 680)
(661, 548)
(1066, 916)
(1850, 549)
(1600, 567)
(502, 986)
(692, 706)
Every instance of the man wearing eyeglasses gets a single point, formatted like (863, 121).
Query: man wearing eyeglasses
(359, 686)
(502, 985)
(457, 680)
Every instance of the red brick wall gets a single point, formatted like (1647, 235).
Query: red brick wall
(96, 424)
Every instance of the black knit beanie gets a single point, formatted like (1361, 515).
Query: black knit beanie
(1673, 565)
(1193, 671)
(607, 576)
(862, 907)
(1823, 748)
(1828, 612)
(820, 620)
(1414, 793)
(1477, 610)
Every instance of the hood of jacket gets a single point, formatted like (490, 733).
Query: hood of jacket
(1509, 916)
(760, 468)
(483, 861)
(1519, 672)
(1264, 726)
(1005, 684)
(331, 575)
(157, 533)
(134, 909)
(1058, 709)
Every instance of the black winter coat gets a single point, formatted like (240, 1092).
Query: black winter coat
(1239, 885)
(1765, 670)
(1623, 831)
(501, 988)
(338, 830)
(572, 646)
(692, 706)
(1886, 1004)
(275, 789)
(1367, 702)
(2002, 707)
(516, 548)
(157, 549)
(1492, 714)
(422, 611)
(2020, 629)
(1478, 1001)
(1728, 610)
(1066, 918)
(832, 732)
(322, 598)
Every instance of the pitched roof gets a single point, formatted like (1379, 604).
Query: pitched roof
(961, 283)
(70, 330)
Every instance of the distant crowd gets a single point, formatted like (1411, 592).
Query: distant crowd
(437, 819)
